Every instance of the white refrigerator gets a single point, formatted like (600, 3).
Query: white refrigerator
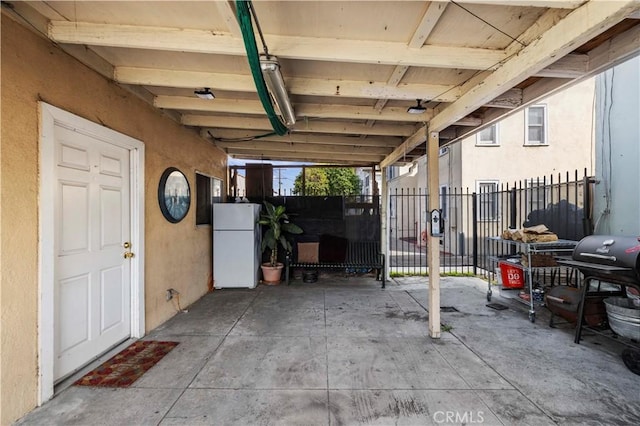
(236, 245)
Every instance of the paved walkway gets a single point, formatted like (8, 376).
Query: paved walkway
(342, 351)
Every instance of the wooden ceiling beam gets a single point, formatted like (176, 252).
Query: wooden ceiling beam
(302, 110)
(303, 126)
(557, 4)
(412, 141)
(305, 156)
(305, 48)
(228, 12)
(420, 35)
(573, 65)
(362, 113)
(575, 29)
(295, 86)
(544, 23)
(512, 98)
(427, 24)
(532, 94)
(613, 51)
(262, 146)
(38, 13)
(372, 141)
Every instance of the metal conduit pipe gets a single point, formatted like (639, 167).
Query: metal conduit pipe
(246, 27)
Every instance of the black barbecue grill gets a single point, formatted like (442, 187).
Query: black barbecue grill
(609, 258)
(609, 265)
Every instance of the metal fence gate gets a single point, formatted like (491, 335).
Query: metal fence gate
(562, 202)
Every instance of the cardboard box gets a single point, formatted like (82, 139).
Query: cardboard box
(308, 252)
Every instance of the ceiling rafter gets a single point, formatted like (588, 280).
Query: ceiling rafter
(615, 50)
(420, 35)
(302, 109)
(228, 13)
(305, 48)
(303, 126)
(305, 156)
(375, 141)
(569, 33)
(558, 4)
(574, 30)
(296, 86)
(304, 147)
(136, 50)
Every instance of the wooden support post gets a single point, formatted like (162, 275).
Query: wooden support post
(433, 245)
(374, 183)
(304, 181)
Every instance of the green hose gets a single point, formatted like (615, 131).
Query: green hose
(244, 19)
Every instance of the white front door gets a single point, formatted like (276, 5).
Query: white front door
(92, 232)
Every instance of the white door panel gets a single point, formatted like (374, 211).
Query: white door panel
(92, 221)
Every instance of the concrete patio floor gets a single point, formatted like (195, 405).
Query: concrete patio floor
(342, 351)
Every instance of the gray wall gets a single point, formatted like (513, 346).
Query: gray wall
(617, 150)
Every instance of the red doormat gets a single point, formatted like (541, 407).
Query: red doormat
(127, 366)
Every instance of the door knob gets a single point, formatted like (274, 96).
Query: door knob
(128, 255)
(127, 244)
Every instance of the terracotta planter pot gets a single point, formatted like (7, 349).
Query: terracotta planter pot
(271, 275)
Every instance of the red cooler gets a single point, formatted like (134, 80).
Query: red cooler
(512, 275)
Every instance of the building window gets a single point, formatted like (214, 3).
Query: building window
(208, 191)
(488, 136)
(536, 123)
(488, 196)
(536, 195)
(392, 172)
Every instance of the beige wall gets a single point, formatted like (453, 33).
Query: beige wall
(177, 255)
(570, 133)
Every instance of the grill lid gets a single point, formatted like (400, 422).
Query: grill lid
(609, 250)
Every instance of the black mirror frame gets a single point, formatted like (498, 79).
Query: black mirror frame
(162, 199)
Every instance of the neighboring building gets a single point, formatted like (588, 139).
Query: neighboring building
(241, 185)
(369, 186)
(617, 193)
(550, 137)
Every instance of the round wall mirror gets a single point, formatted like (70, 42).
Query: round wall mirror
(174, 195)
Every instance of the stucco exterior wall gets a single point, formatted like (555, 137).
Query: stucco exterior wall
(570, 132)
(177, 255)
(617, 194)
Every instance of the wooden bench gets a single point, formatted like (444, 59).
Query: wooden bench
(360, 254)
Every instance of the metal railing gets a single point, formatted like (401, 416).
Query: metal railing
(561, 202)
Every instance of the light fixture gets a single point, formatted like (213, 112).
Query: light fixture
(205, 93)
(417, 109)
(275, 83)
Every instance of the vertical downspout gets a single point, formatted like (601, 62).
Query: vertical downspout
(384, 234)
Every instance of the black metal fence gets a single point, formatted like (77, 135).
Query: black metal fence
(561, 202)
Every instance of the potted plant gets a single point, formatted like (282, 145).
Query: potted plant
(275, 219)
